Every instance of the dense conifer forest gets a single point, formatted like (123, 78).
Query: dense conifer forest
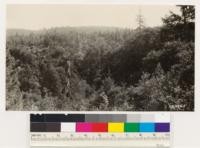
(103, 68)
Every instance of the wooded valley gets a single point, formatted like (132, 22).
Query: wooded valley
(103, 68)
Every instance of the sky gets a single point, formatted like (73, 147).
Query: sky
(40, 16)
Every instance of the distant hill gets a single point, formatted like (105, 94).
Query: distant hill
(11, 32)
(63, 30)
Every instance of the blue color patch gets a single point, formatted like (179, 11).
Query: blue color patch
(147, 127)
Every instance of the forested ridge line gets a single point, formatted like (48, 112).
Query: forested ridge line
(103, 68)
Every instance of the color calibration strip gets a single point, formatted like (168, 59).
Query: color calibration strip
(100, 130)
(111, 123)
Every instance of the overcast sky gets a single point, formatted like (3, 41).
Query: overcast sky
(47, 16)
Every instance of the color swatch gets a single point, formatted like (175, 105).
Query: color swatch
(115, 127)
(131, 127)
(111, 123)
(147, 127)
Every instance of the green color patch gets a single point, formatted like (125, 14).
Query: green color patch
(131, 127)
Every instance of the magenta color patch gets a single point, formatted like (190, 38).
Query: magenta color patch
(83, 127)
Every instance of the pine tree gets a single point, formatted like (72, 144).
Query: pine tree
(140, 20)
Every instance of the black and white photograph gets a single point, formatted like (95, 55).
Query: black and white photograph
(100, 57)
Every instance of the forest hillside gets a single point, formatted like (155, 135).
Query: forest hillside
(103, 68)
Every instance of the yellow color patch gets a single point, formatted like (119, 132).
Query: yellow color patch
(115, 127)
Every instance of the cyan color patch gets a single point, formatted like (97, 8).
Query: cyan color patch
(147, 127)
